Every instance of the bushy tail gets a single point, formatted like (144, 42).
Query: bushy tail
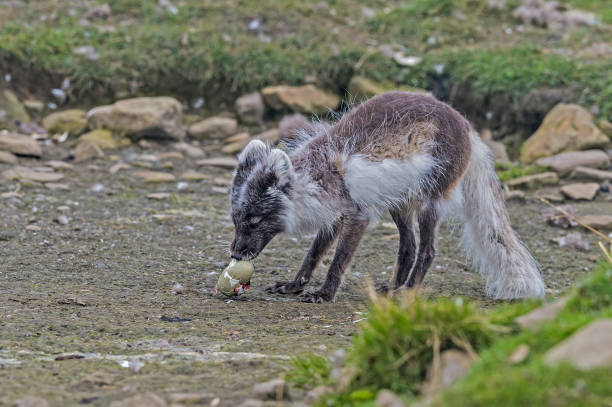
(490, 242)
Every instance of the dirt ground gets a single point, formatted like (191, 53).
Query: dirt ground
(100, 288)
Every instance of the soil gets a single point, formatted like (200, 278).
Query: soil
(97, 292)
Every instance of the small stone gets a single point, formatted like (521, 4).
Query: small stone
(168, 165)
(222, 182)
(216, 127)
(193, 176)
(178, 288)
(534, 181)
(35, 105)
(102, 12)
(191, 398)
(598, 221)
(63, 208)
(99, 378)
(62, 220)
(54, 186)
(59, 165)
(514, 195)
(544, 313)
(315, 394)
(271, 136)
(20, 144)
(589, 348)
(234, 148)
(87, 151)
(140, 400)
(519, 354)
(154, 176)
(386, 398)
(454, 364)
(250, 108)
(574, 240)
(591, 174)
(73, 122)
(564, 163)
(33, 228)
(181, 186)
(276, 389)
(304, 99)
(31, 401)
(225, 162)
(220, 190)
(158, 196)
(586, 191)
(7, 158)
(251, 403)
(189, 150)
(118, 167)
(170, 155)
(24, 173)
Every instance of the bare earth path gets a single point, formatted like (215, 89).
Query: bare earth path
(100, 289)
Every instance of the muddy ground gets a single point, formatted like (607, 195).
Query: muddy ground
(100, 288)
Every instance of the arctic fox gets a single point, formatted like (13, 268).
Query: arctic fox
(401, 152)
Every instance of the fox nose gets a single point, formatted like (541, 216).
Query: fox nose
(236, 257)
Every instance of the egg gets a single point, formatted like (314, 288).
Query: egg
(235, 278)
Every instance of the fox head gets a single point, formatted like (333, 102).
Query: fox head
(259, 198)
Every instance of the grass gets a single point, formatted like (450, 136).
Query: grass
(398, 340)
(506, 172)
(207, 49)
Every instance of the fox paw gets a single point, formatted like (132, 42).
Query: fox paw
(316, 298)
(285, 287)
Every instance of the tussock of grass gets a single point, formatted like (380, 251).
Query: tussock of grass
(398, 340)
(506, 172)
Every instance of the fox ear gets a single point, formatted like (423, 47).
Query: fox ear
(254, 152)
(280, 164)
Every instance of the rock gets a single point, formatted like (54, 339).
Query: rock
(140, 400)
(19, 144)
(158, 196)
(193, 176)
(7, 158)
(454, 364)
(304, 99)
(519, 354)
(87, 150)
(585, 191)
(222, 182)
(497, 148)
(591, 173)
(598, 221)
(34, 105)
(557, 218)
(104, 139)
(73, 122)
(566, 127)
(606, 127)
(24, 173)
(191, 398)
(118, 167)
(13, 108)
(386, 398)
(31, 401)
(62, 220)
(564, 163)
(586, 349)
(99, 378)
(574, 240)
(158, 117)
(170, 155)
(250, 108)
(236, 143)
(216, 127)
(225, 162)
(154, 176)
(276, 389)
(534, 181)
(189, 150)
(33, 228)
(102, 12)
(271, 136)
(54, 186)
(361, 88)
(514, 195)
(59, 165)
(251, 403)
(545, 313)
(315, 394)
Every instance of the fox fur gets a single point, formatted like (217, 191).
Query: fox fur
(405, 153)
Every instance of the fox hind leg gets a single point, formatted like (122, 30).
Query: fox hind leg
(404, 219)
(428, 221)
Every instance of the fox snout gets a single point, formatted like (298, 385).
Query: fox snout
(242, 249)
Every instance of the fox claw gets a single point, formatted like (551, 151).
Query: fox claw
(285, 287)
(315, 298)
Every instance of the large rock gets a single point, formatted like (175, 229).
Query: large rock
(304, 99)
(581, 191)
(7, 158)
(271, 136)
(497, 148)
(564, 163)
(566, 127)
(13, 107)
(586, 349)
(20, 144)
(216, 127)
(104, 139)
(361, 88)
(158, 117)
(534, 181)
(73, 122)
(591, 173)
(27, 174)
(598, 221)
(87, 150)
(250, 108)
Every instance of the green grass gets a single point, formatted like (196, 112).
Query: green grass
(397, 342)
(146, 53)
(506, 172)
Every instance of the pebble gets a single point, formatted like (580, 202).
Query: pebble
(519, 354)
(178, 288)
(225, 162)
(118, 167)
(574, 240)
(62, 220)
(154, 176)
(581, 191)
(544, 313)
(276, 389)
(193, 176)
(158, 196)
(33, 228)
(54, 186)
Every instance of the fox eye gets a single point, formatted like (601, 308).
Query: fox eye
(254, 221)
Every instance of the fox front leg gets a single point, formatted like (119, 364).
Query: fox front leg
(353, 228)
(323, 241)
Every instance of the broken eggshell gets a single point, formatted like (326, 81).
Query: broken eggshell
(236, 278)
